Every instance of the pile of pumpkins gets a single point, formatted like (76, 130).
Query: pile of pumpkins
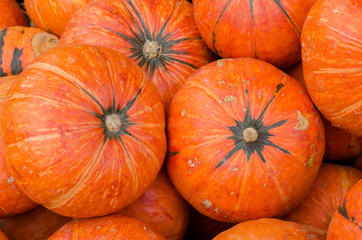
(175, 119)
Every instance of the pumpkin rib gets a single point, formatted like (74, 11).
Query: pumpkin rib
(217, 22)
(251, 4)
(290, 20)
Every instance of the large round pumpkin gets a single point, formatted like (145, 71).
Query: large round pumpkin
(162, 207)
(266, 228)
(20, 45)
(52, 15)
(12, 200)
(160, 36)
(267, 30)
(332, 60)
(245, 141)
(83, 124)
(330, 187)
(11, 14)
(346, 222)
(115, 226)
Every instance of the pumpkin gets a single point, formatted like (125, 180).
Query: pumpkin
(88, 128)
(20, 45)
(340, 144)
(332, 62)
(3, 236)
(160, 36)
(162, 207)
(36, 224)
(11, 14)
(115, 226)
(266, 228)
(266, 30)
(238, 128)
(12, 200)
(52, 15)
(346, 223)
(328, 190)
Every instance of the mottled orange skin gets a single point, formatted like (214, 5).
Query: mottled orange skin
(21, 38)
(328, 191)
(115, 226)
(57, 149)
(162, 207)
(3, 236)
(199, 138)
(102, 22)
(332, 59)
(12, 200)
(52, 15)
(260, 30)
(36, 224)
(266, 228)
(341, 228)
(11, 14)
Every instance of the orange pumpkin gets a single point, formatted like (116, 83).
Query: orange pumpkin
(328, 190)
(266, 30)
(20, 45)
(266, 228)
(115, 226)
(160, 36)
(52, 15)
(162, 207)
(89, 128)
(346, 223)
(11, 14)
(238, 128)
(12, 200)
(36, 224)
(332, 61)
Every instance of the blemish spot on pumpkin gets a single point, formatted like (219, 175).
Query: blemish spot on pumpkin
(232, 193)
(220, 63)
(207, 203)
(221, 82)
(219, 101)
(265, 184)
(10, 180)
(303, 122)
(235, 169)
(216, 211)
(357, 112)
(310, 161)
(260, 94)
(98, 227)
(246, 82)
(230, 99)
(190, 163)
(183, 112)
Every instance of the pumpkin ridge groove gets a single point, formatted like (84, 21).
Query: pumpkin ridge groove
(146, 31)
(343, 211)
(16, 64)
(217, 22)
(2, 43)
(290, 20)
(253, 26)
(262, 132)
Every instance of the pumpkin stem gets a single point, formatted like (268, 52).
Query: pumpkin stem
(43, 41)
(152, 50)
(250, 135)
(113, 123)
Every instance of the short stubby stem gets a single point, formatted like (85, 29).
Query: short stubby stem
(151, 50)
(250, 135)
(113, 123)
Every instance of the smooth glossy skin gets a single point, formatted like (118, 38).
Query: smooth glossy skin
(11, 14)
(20, 45)
(264, 29)
(346, 223)
(328, 191)
(36, 224)
(266, 228)
(162, 207)
(127, 25)
(52, 15)
(115, 226)
(210, 164)
(12, 200)
(58, 148)
(332, 58)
